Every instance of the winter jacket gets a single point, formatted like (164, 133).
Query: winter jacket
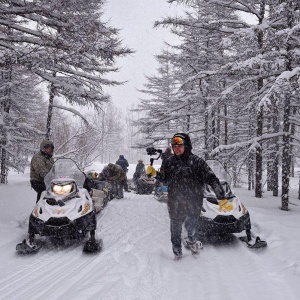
(123, 163)
(40, 165)
(186, 177)
(165, 156)
(139, 170)
(113, 172)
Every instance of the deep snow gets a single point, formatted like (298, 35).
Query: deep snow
(137, 261)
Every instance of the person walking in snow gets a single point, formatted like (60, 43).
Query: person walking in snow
(123, 163)
(40, 165)
(186, 175)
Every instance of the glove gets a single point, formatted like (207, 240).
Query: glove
(151, 171)
(225, 205)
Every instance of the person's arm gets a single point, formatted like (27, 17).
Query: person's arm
(160, 176)
(211, 179)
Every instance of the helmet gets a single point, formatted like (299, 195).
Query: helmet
(46, 143)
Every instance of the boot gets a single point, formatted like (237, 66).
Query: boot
(195, 246)
(177, 252)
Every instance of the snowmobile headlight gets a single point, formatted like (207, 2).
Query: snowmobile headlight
(62, 189)
(86, 208)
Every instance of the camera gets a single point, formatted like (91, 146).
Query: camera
(153, 151)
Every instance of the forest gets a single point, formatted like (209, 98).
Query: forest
(232, 83)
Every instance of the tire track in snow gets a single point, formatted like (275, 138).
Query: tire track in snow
(137, 263)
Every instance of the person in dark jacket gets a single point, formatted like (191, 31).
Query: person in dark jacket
(122, 162)
(186, 175)
(139, 170)
(115, 175)
(41, 163)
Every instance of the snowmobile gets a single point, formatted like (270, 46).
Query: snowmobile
(145, 185)
(101, 191)
(65, 210)
(235, 219)
(161, 192)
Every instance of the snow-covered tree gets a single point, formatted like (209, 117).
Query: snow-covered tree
(63, 43)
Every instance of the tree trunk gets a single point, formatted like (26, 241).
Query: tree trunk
(6, 94)
(50, 112)
(259, 119)
(258, 168)
(206, 132)
(286, 157)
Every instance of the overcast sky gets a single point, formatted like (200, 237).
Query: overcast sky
(135, 19)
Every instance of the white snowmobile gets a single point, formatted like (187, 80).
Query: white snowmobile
(145, 185)
(224, 221)
(65, 210)
(234, 219)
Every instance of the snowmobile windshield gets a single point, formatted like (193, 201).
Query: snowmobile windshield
(219, 170)
(210, 195)
(65, 168)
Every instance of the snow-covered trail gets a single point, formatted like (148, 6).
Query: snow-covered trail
(136, 261)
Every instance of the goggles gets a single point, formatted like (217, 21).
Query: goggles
(177, 140)
(49, 146)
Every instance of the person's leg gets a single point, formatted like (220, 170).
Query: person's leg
(138, 186)
(114, 188)
(176, 229)
(119, 190)
(125, 183)
(192, 224)
(39, 187)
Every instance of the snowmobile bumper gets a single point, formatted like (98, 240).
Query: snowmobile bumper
(63, 226)
(224, 224)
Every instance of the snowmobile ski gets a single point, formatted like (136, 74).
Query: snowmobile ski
(92, 246)
(258, 243)
(26, 248)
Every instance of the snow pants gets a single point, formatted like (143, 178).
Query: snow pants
(125, 184)
(117, 188)
(191, 224)
(39, 187)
